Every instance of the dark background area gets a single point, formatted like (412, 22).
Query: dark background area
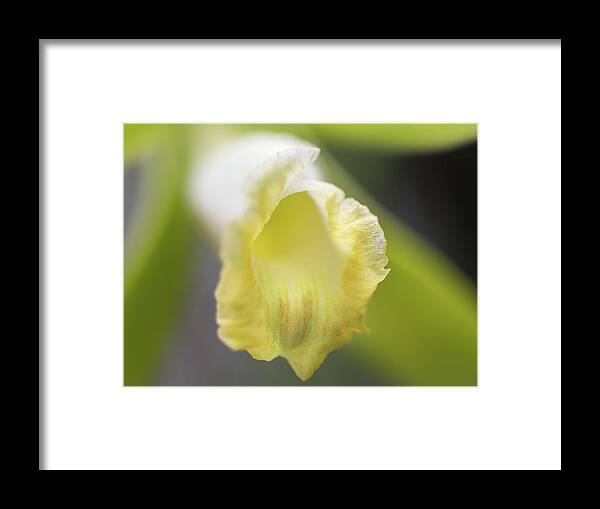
(433, 193)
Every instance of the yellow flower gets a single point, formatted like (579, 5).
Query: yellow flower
(300, 261)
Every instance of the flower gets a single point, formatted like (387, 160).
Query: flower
(300, 261)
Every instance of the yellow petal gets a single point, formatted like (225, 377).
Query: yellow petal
(299, 266)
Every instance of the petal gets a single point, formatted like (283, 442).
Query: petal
(300, 263)
(219, 192)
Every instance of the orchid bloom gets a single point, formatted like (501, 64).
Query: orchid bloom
(300, 261)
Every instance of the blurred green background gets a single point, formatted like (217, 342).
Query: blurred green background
(419, 179)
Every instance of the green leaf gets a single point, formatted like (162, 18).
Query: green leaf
(423, 316)
(157, 251)
(397, 137)
(141, 139)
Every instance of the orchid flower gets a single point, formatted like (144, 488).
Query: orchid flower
(300, 260)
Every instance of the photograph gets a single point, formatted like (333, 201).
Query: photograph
(300, 254)
(279, 254)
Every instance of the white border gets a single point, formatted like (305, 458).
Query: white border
(511, 421)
